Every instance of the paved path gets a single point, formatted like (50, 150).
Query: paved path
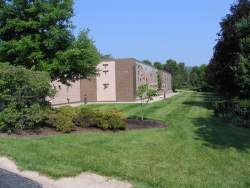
(12, 177)
(12, 180)
(155, 99)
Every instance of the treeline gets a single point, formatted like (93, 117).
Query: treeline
(229, 69)
(183, 76)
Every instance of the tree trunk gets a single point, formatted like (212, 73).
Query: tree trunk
(141, 111)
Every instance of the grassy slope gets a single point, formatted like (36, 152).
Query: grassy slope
(197, 150)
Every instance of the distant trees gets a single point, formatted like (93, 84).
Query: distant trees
(38, 35)
(197, 79)
(179, 73)
(147, 62)
(184, 76)
(158, 65)
(229, 69)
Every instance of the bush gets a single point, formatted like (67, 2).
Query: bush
(86, 117)
(236, 111)
(23, 97)
(110, 119)
(63, 118)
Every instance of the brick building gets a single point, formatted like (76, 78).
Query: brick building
(117, 81)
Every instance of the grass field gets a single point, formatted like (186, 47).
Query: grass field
(196, 150)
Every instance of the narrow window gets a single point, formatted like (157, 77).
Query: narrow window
(105, 65)
(106, 85)
(105, 71)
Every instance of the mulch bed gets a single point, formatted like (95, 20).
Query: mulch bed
(132, 124)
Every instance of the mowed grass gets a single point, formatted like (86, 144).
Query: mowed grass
(196, 150)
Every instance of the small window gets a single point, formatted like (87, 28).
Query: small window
(106, 85)
(105, 71)
(105, 65)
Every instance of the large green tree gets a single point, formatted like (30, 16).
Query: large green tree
(37, 34)
(179, 73)
(229, 69)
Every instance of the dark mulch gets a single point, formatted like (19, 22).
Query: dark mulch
(132, 124)
(145, 124)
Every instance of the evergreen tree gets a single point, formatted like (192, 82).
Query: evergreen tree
(37, 34)
(229, 69)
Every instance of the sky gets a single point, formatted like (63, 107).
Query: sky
(156, 30)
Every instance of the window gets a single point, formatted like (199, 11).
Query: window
(105, 71)
(105, 85)
(105, 65)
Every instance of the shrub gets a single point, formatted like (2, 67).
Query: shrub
(63, 118)
(110, 119)
(23, 97)
(86, 117)
(236, 111)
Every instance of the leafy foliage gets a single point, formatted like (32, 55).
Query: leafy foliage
(158, 65)
(109, 119)
(179, 73)
(147, 62)
(144, 92)
(237, 112)
(38, 35)
(197, 79)
(23, 93)
(63, 118)
(229, 69)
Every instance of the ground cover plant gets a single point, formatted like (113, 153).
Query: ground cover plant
(196, 150)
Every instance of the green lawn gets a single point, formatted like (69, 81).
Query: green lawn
(196, 150)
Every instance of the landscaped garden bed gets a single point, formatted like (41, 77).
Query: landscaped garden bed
(132, 124)
(78, 120)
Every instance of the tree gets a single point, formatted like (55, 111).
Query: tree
(145, 93)
(229, 69)
(158, 65)
(147, 62)
(141, 93)
(159, 80)
(23, 94)
(37, 34)
(197, 78)
(179, 73)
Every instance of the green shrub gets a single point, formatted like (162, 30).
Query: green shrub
(109, 119)
(63, 118)
(112, 119)
(236, 111)
(86, 117)
(23, 97)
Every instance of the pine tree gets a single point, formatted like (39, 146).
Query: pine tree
(37, 34)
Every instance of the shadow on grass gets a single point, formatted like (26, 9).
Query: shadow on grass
(207, 100)
(213, 130)
(217, 134)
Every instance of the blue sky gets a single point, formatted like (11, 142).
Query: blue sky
(153, 29)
